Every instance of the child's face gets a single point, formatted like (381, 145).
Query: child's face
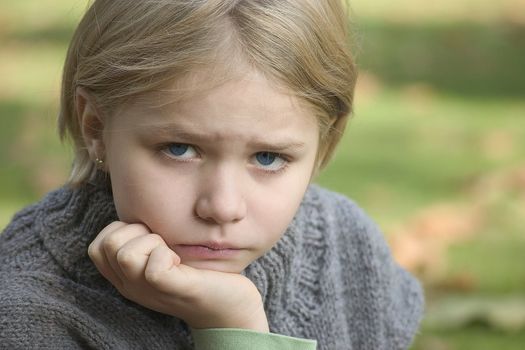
(218, 175)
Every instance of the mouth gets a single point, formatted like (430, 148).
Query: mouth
(215, 246)
(206, 251)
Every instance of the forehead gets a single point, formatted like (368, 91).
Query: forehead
(242, 97)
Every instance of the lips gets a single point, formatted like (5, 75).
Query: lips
(212, 245)
(206, 251)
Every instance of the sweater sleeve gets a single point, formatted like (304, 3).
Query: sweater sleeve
(401, 294)
(240, 339)
(391, 300)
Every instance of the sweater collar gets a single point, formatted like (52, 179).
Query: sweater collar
(70, 221)
(72, 218)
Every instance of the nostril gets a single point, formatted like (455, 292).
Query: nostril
(220, 211)
(207, 220)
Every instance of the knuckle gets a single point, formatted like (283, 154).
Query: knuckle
(115, 224)
(112, 243)
(154, 278)
(156, 237)
(126, 258)
(92, 252)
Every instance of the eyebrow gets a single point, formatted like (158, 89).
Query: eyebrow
(193, 136)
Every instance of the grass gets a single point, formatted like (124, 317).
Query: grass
(475, 337)
(393, 150)
(439, 102)
(503, 275)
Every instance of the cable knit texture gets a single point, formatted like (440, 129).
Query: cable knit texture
(331, 278)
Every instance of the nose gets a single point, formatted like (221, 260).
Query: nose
(221, 198)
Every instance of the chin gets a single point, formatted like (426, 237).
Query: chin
(213, 265)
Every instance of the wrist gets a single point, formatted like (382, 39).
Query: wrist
(258, 322)
(249, 319)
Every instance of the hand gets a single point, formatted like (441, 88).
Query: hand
(145, 270)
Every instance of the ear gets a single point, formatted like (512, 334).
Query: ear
(91, 123)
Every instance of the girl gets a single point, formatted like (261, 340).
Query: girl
(189, 220)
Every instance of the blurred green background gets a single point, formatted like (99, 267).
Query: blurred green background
(435, 152)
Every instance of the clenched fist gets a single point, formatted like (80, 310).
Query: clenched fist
(145, 270)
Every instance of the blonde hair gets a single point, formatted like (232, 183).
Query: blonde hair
(123, 49)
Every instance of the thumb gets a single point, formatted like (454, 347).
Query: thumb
(164, 271)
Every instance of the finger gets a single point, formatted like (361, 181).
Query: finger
(97, 255)
(164, 272)
(94, 246)
(133, 256)
(116, 239)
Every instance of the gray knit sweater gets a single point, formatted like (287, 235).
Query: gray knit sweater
(330, 278)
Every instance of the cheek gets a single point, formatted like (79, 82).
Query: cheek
(150, 198)
(274, 212)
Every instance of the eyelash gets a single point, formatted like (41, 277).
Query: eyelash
(286, 161)
(163, 150)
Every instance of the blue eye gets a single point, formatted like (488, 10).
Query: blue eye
(266, 158)
(270, 161)
(180, 151)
